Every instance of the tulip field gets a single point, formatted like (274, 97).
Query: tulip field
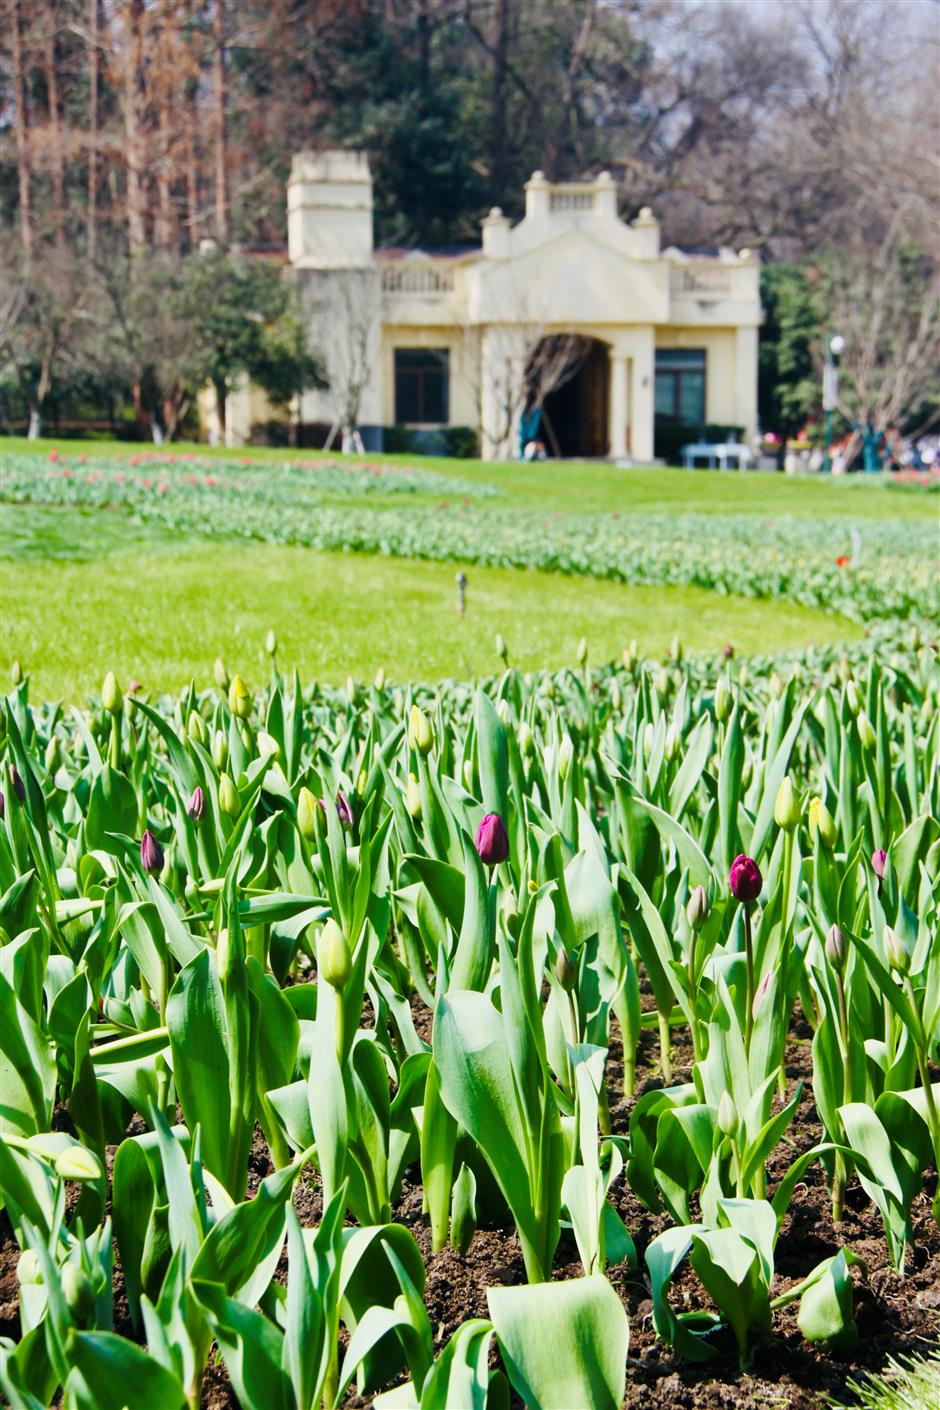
(562, 1038)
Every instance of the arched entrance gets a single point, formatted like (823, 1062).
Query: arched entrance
(574, 374)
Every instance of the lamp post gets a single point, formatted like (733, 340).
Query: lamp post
(834, 347)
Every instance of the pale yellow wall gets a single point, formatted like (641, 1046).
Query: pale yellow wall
(721, 398)
(463, 346)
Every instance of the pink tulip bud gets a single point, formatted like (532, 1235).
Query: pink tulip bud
(878, 860)
(151, 854)
(196, 807)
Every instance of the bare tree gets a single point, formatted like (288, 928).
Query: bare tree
(522, 363)
(887, 309)
(43, 336)
(22, 129)
(346, 313)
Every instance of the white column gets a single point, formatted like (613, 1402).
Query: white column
(617, 405)
(745, 381)
(642, 378)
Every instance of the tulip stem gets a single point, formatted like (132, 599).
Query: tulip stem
(749, 960)
(665, 1036)
(115, 755)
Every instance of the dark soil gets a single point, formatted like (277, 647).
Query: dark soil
(895, 1316)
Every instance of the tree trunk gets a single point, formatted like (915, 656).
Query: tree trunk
(55, 129)
(499, 147)
(134, 114)
(35, 424)
(221, 172)
(163, 230)
(192, 189)
(22, 132)
(91, 237)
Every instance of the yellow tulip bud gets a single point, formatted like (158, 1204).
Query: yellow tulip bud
(413, 798)
(422, 736)
(238, 698)
(307, 814)
(77, 1163)
(787, 806)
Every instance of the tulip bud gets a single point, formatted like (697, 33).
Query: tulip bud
(238, 698)
(53, 754)
(502, 650)
(675, 649)
(879, 860)
(775, 684)
(565, 972)
(413, 795)
(492, 841)
(616, 697)
(270, 642)
(219, 749)
(77, 1163)
(220, 673)
(526, 740)
(582, 651)
(723, 700)
(745, 879)
(16, 673)
(697, 908)
(225, 957)
(747, 772)
(502, 710)
(727, 651)
(835, 947)
(379, 681)
(334, 962)
(196, 807)
(151, 854)
(865, 732)
(467, 775)
(896, 952)
(565, 756)
(661, 682)
(196, 727)
(744, 675)
(727, 1116)
(422, 736)
(229, 801)
(787, 806)
(649, 739)
(672, 741)
(344, 809)
(307, 814)
(111, 697)
(28, 1268)
(845, 670)
(351, 691)
(822, 824)
(78, 1293)
(852, 698)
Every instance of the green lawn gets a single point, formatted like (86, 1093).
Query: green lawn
(599, 487)
(83, 593)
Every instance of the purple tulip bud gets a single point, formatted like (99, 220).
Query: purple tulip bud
(17, 782)
(344, 809)
(492, 842)
(151, 854)
(878, 860)
(3, 807)
(196, 807)
(745, 879)
(727, 651)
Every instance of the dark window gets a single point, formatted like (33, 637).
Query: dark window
(680, 385)
(421, 386)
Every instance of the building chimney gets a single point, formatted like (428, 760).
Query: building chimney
(329, 210)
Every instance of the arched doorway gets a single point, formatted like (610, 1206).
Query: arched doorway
(575, 376)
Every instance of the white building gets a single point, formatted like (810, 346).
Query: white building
(572, 308)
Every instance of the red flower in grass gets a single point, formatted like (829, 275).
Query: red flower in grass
(842, 561)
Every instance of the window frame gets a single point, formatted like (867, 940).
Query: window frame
(421, 376)
(675, 373)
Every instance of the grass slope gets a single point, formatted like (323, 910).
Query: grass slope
(149, 607)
